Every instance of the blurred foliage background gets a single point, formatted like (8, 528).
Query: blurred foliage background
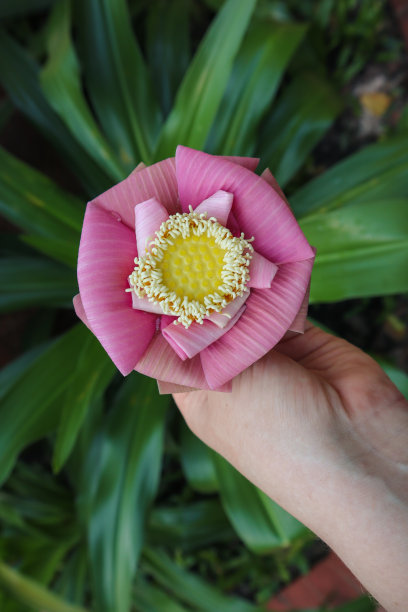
(108, 502)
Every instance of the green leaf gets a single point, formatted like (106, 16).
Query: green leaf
(35, 203)
(29, 281)
(32, 594)
(19, 77)
(61, 84)
(190, 526)
(203, 86)
(29, 411)
(117, 79)
(92, 374)
(362, 250)
(149, 598)
(117, 484)
(378, 172)
(168, 47)
(189, 588)
(260, 523)
(63, 251)
(302, 115)
(196, 460)
(255, 78)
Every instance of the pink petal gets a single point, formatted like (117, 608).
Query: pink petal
(271, 180)
(149, 216)
(161, 362)
(157, 181)
(144, 304)
(79, 310)
(269, 314)
(189, 342)
(140, 166)
(218, 205)
(105, 259)
(247, 162)
(261, 272)
(259, 210)
(298, 323)
(224, 317)
(168, 387)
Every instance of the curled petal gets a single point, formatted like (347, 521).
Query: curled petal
(167, 387)
(268, 315)
(271, 180)
(224, 317)
(259, 209)
(189, 342)
(261, 272)
(79, 310)
(103, 269)
(247, 162)
(218, 205)
(144, 304)
(149, 216)
(157, 181)
(298, 323)
(161, 362)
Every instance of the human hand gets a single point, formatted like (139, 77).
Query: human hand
(322, 430)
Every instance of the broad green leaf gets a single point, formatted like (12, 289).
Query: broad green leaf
(377, 172)
(257, 72)
(189, 588)
(29, 281)
(63, 251)
(258, 521)
(168, 47)
(72, 583)
(302, 115)
(32, 594)
(201, 91)
(92, 374)
(362, 250)
(19, 75)
(190, 526)
(196, 460)
(117, 79)
(149, 598)
(117, 484)
(10, 374)
(35, 203)
(61, 84)
(29, 410)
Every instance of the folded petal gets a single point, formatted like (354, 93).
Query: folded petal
(298, 323)
(79, 310)
(189, 342)
(144, 304)
(149, 216)
(157, 181)
(105, 259)
(248, 162)
(259, 209)
(261, 272)
(161, 362)
(224, 317)
(218, 205)
(268, 315)
(271, 180)
(168, 387)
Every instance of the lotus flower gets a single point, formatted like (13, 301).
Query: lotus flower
(191, 269)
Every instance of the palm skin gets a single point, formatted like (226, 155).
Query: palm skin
(317, 425)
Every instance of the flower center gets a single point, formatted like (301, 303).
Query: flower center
(194, 267)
